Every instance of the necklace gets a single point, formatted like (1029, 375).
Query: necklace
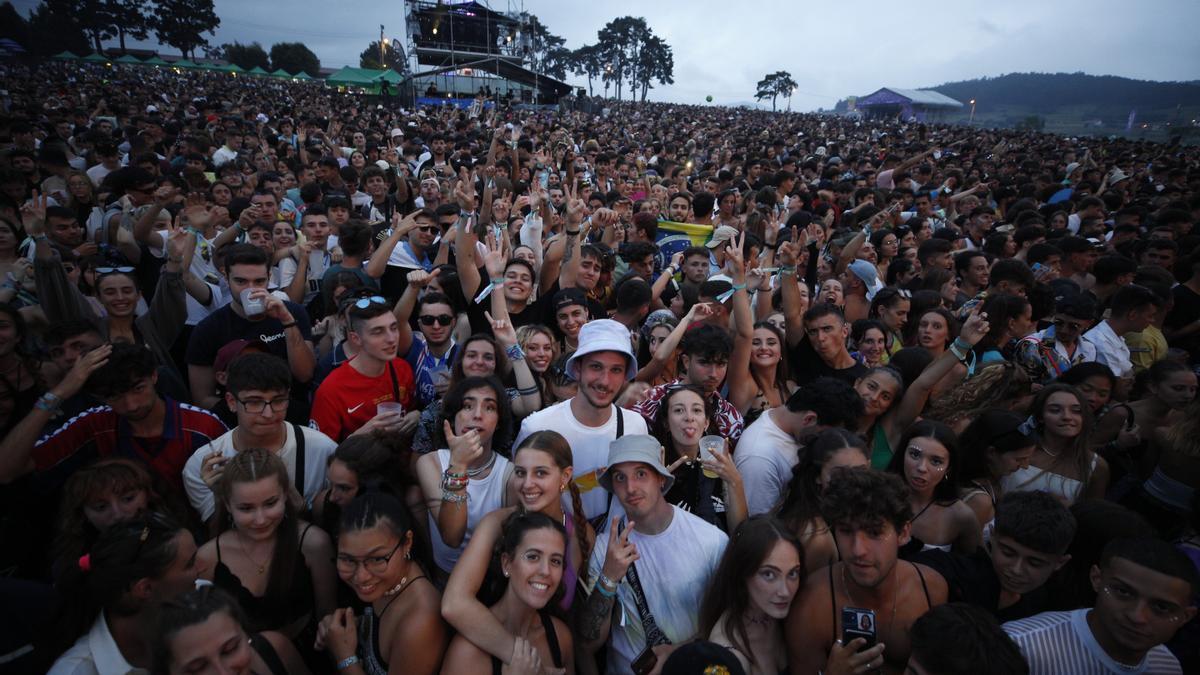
(895, 597)
(475, 473)
(396, 589)
(914, 518)
(1047, 451)
(262, 567)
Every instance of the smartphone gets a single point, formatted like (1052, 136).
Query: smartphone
(858, 623)
(645, 662)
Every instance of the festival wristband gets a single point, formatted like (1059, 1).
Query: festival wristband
(488, 290)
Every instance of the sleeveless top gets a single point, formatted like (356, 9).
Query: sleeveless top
(551, 642)
(268, 654)
(483, 497)
(833, 596)
(261, 612)
(1041, 480)
(881, 450)
(369, 655)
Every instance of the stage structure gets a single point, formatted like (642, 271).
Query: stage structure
(457, 49)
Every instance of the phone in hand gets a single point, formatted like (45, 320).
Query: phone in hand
(858, 623)
(645, 662)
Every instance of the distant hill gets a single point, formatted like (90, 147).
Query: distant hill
(1076, 103)
(1046, 92)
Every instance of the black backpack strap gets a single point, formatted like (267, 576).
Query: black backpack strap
(299, 477)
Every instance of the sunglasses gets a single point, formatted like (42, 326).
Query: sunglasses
(428, 229)
(440, 319)
(113, 270)
(367, 302)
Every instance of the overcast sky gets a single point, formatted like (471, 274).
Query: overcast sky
(832, 48)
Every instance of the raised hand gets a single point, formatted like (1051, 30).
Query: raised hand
(464, 449)
(86, 365)
(421, 278)
(620, 554)
(975, 327)
(33, 212)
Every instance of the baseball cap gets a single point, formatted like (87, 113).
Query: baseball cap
(234, 349)
(397, 132)
(603, 335)
(721, 235)
(641, 448)
(567, 297)
(869, 276)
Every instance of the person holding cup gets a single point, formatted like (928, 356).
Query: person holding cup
(375, 388)
(707, 482)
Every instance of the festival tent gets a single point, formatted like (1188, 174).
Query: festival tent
(282, 73)
(185, 63)
(128, 59)
(302, 76)
(257, 70)
(155, 61)
(231, 68)
(96, 58)
(364, 78)
(65, 56)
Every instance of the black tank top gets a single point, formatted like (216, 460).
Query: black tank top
(551, 642)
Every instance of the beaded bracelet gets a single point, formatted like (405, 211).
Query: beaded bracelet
(347, 662)
(454, 498)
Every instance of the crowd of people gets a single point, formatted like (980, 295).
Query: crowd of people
(293, 380)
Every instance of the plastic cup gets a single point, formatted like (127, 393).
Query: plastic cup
(388, 407)
(252, 306)
(709, 444)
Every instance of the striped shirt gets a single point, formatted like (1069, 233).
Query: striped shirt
(1061, 642)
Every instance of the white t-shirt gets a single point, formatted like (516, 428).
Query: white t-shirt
(674, 567)
(1111, 350)
(589, 445)
(765, 456)
(317, 264)
(1062, 642)
(483, 497)
(317, 449)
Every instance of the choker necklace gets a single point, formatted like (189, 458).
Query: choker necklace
(397, 588)
(1052, 454)
(475, 473)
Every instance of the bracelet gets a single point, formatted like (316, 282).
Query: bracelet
(787, 270)
(670, 270)
(347, 662)
(530, 391)
(454, 498)
(289, 325)
(607, 583)
(515, 353)
(961, 344)
(572, 234)
(40, 237)
(465, 214)
(605, 592)
(48, 401)
(454, 484)
(455, 474)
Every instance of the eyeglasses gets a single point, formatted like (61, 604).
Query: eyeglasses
(113, 270)
(367, 302)
(429, 229)
(1073, 325)
(257, 406)
(1162, 611)
(374, 564)
(440, 319)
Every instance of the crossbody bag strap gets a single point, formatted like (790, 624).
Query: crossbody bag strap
(654, 634)
(299, 477)
(395, 383)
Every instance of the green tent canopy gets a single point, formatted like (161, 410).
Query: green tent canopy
(128, 58)
(302, 76)
(281, 73)
(185, 63)
(364, 78)
(65, 56)
(155, 61)
(257, 70)
(96, 58)
(231, 68)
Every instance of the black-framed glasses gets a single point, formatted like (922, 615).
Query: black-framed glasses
(440, 319)
(114, 270)
(367, 302)
(256, 406)
(429, 229)
(375, 564)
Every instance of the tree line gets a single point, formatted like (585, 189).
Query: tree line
(82, 26)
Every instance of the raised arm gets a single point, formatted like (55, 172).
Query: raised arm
(417, 280)
(742, 386)
(530, 398)
(915, 397)
(666, 348)
(464, 253)
(377, 265)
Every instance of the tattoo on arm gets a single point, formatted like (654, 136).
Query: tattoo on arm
(596, 612)
(570, 252)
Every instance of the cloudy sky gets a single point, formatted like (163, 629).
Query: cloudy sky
(832, 48)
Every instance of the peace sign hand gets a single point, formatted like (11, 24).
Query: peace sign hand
(464, 449)
(620, 554)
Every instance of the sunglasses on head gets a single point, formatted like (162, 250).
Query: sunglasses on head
(367, 302)
(113, 270)
(440, 319)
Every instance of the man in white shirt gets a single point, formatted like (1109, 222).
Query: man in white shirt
(647, 576)
(1132, 310)
(589, 421)
(1144, 594)
(229, 151)
(257, 390)
(768, 449)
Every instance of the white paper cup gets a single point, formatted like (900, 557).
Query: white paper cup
(252, 306)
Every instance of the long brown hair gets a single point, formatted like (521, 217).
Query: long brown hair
(111, 475)
(251, 466)
(1079, 452)
(749, 546)
(552, 443)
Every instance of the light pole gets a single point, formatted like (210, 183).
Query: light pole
(382, 47)
(972, 120)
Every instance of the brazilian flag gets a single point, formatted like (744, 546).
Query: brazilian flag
(674, 237)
